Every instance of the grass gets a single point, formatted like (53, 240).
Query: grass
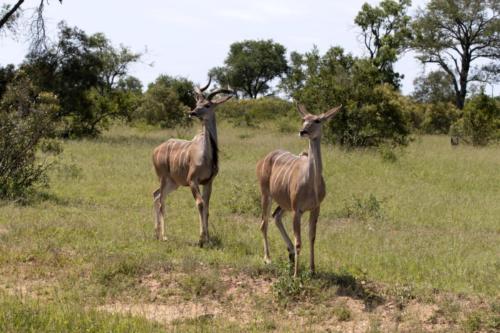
(412, 222)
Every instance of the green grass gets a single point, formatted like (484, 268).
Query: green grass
(425, 220)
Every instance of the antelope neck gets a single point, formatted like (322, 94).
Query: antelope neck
(314, 156)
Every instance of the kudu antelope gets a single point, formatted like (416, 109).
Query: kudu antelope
(296, 184)
(190, 163)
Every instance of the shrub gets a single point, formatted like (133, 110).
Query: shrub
(255, 111)
(373, 113)
(481, 120)
(161, 106)
(380, 118)
(26, 126)
(438, 117)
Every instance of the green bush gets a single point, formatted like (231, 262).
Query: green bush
(380, 118)
(481, 120)
(438, 117)
(161, 106)
(252, 112)
(26, 128)
(373, 113)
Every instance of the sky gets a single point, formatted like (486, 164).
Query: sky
(189, 37)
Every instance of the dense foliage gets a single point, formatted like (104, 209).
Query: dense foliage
(249, 112)
(166, 102)
(251, 65)
(27, 124)
(373, 113)
(481, 120)
(454, 35)
(385, 31)
(85, 73)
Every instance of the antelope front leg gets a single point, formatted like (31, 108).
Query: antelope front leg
(296, 231)
(278, 214)
(207, 192)
(200, 205)
(313, 219)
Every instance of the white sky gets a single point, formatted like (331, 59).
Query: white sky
(189, 37)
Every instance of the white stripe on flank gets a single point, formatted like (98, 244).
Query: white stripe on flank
(277, 158)
(290, 173)
(283, 169)
(280, 170)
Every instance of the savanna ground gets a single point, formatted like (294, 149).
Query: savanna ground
(408, 241)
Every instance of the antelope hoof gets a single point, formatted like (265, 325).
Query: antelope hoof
(201, 242)
(291, 257)
(161, 238)
(267, 260)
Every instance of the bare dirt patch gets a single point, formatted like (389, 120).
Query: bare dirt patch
(164, 313)
(247, 299)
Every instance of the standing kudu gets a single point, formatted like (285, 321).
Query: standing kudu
(296, 184)
(190, 163)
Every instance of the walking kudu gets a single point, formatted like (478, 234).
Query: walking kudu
(296, 184)
(190, 163)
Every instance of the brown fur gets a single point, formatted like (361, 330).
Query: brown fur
(296, 184)
(190, 163)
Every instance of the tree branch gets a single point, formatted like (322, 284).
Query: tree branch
(9, 14)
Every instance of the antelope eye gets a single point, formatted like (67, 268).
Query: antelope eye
(317, 121)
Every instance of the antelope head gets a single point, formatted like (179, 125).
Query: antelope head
(205, 104)
(311, 127)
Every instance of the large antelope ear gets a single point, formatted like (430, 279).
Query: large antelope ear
(330, 113)
(302, 110)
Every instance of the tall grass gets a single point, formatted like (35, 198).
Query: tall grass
(427, 220)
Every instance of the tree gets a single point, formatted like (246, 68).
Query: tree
(454, 35)
(434, 87)
(373, 113)
(251, 65)
(9, 15)
(84, 71)
(385, 31)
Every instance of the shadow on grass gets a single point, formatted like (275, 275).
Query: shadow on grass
(214, 242)
(348, 285)
(322, 286)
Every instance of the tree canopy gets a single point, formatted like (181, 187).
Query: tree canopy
(251, 65)
(84, 71)
(385, 32)
(454, 34)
